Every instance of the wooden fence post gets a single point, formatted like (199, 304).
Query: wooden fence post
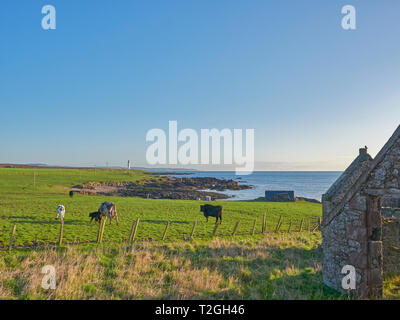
(193, 229)
(290, 226)
(131, 233)
(61, 232)
(264, 225)
(165, 231)
(254, 227)
(215, 229)
(236, 228)
(98, 231)
(135, 230)
(14, 228)
(317, 225)
(101, 230)
(278, 226)
(301, 225)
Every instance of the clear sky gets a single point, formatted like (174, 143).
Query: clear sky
(87, 92)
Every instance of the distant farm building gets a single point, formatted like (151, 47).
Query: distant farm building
(361, 226)
(280, 196)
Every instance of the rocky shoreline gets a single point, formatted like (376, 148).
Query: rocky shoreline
(164, 187)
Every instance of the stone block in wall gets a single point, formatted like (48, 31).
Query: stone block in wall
(374, 271)
(358, 203)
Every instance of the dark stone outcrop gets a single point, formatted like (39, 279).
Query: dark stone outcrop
(165, 188)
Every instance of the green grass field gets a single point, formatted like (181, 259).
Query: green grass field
(33, 210)
(263, 266)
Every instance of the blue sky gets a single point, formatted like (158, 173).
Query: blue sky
(87, 92)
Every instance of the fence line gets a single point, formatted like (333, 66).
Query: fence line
(313, 224)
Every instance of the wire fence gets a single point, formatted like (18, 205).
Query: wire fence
(283, 225)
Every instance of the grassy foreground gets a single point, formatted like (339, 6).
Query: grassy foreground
(276, 266)
(273, 266)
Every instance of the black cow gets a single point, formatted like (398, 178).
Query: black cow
(96, 216)
(212, 211)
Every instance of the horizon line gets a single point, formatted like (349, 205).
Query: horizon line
(44, 166)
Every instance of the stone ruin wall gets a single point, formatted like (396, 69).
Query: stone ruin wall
(345, 238)
(344, 244)
(386, 175)
(340, 193)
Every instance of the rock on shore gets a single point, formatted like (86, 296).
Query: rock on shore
(165, 188)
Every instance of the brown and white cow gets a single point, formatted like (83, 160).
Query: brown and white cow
(107, 210)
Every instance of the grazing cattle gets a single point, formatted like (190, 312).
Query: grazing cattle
(95, 215)
(108, 210)
(212, 211)
(60, 211)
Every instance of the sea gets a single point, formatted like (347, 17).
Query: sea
(308, 184)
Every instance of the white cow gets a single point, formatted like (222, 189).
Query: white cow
(60, 211)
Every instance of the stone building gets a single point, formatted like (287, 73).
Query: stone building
(280, 196)
(354, 231)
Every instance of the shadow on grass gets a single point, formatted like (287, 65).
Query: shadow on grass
(57, 222)
(19, 217)
(267, 273)
(165, 221)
